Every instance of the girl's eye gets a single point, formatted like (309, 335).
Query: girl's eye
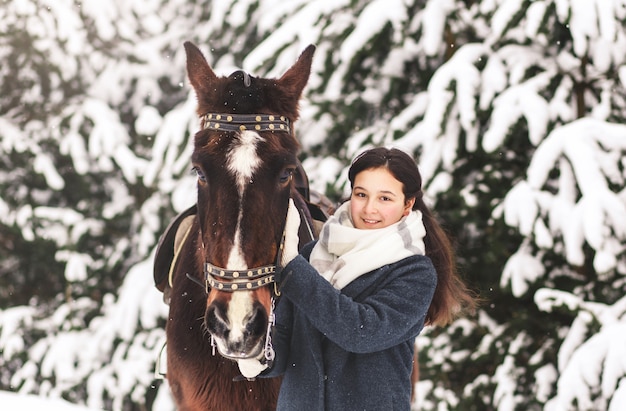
(200, 174)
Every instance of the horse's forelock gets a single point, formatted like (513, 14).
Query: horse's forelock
(229, 95)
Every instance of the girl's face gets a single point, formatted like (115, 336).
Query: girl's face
(377, 199)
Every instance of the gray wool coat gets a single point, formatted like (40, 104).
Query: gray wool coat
(350, 349)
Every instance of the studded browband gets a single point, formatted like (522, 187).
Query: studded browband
(242, 122)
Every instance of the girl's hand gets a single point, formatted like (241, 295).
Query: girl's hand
(292, 225)
(251, 367)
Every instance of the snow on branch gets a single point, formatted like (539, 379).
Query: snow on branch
(171, 146)
(595, 375)
(372, 19)
(593, 365)
(450, 109)
(522, 99)
(115, 353)
(585, 209)
(594, 25)
(303, 25)
(522, 268)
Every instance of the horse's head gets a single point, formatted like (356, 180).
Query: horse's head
(244, 155)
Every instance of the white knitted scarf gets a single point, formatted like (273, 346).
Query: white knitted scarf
(343, 252)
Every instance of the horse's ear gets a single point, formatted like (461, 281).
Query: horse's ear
(295, 79)
(200, 73)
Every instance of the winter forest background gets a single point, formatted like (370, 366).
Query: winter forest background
(514, 109)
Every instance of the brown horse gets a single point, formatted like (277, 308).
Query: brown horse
(220, 286)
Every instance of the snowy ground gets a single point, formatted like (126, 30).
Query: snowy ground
(11, 401)
(17, 402)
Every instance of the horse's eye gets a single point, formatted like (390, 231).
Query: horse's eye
(287, 174)
(200, 174)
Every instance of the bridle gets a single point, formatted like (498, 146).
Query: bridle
(248, 279)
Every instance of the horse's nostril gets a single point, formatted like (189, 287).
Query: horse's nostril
(257, 322)
(216, 320)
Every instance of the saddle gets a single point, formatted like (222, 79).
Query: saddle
(314, 207)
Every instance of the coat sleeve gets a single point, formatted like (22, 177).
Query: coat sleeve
(392, 314)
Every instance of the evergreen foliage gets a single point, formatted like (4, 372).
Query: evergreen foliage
(514, 110)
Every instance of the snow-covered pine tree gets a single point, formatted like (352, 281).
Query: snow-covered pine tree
(84, 85)
(512, 107)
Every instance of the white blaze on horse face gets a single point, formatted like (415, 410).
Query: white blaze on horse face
(239, 311)
(243, 162)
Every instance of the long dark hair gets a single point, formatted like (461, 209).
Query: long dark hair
(452, 297)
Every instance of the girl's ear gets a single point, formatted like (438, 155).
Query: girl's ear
(408, 206)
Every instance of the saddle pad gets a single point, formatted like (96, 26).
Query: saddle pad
(167, 245)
